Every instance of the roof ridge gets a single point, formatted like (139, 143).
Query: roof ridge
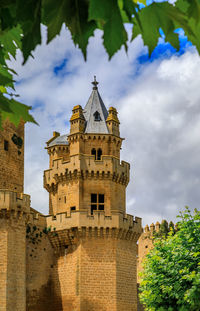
(87, 121)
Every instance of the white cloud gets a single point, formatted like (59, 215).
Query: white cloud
(162, 111)
(158, 107)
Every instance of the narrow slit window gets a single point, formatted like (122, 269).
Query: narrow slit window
(5, 145)
(99, 154)
(94, 152)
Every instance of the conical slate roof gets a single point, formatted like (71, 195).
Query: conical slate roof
(95, 113)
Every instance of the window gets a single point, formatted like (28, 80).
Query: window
(99, 153)
(73, 208)
(97, 116)
(93, 152)
(97, 202)
(5, 145)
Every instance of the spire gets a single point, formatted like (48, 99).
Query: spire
(95, 112)
(95, 83)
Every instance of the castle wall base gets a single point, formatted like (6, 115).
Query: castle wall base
(97, 274)
(13, 263)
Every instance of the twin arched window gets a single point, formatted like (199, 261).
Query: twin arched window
(97, 153)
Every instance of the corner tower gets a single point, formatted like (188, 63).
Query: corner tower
(96, 239)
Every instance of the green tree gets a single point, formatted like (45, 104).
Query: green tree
(20, 28)
(163, 231)
(171, 275)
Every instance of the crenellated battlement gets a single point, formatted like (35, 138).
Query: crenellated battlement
(83, 219)
(150, 230)
(13, 201)
(67, 229)
(37, 219)
(146, 240)
(87, 167)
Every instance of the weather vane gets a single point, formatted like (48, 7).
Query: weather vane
(95, 83)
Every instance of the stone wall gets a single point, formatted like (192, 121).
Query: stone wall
(13, 261)
(39, 266)
(96, 273)
(126, 275)
(12, 157)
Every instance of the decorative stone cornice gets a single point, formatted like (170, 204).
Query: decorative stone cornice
(84, 174)
(72, 236)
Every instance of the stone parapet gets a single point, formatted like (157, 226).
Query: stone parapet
(87, 167)
(67, 230)
(13, 201)
(83, 219)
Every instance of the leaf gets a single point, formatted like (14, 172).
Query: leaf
(5, 3)
(159, 16)
(130, 8)
(81, 29)
(108, 13)
(14, 111)
(3, 89)
(191, 9)
(29, 17)
(4, 104)
(11, 40)
(194, 10)
(140, 1)
(54, 16)
(74, 13)
(5, 77)
(6, 18)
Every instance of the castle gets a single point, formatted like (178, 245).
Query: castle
(83, 255)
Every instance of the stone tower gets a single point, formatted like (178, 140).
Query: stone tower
(95, 240)
(14, 206)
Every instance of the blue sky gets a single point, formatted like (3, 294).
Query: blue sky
(158, 103)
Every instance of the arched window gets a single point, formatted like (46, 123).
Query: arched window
(94, 152)
(97, 116)
(99, 154)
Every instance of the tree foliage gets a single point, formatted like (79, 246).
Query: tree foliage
(20, 28)
(171, 275)
(163, 231)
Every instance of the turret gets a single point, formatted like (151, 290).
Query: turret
(77, 120)
(85, 171)
(112, 121)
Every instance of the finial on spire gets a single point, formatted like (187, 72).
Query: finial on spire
(95, 83)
